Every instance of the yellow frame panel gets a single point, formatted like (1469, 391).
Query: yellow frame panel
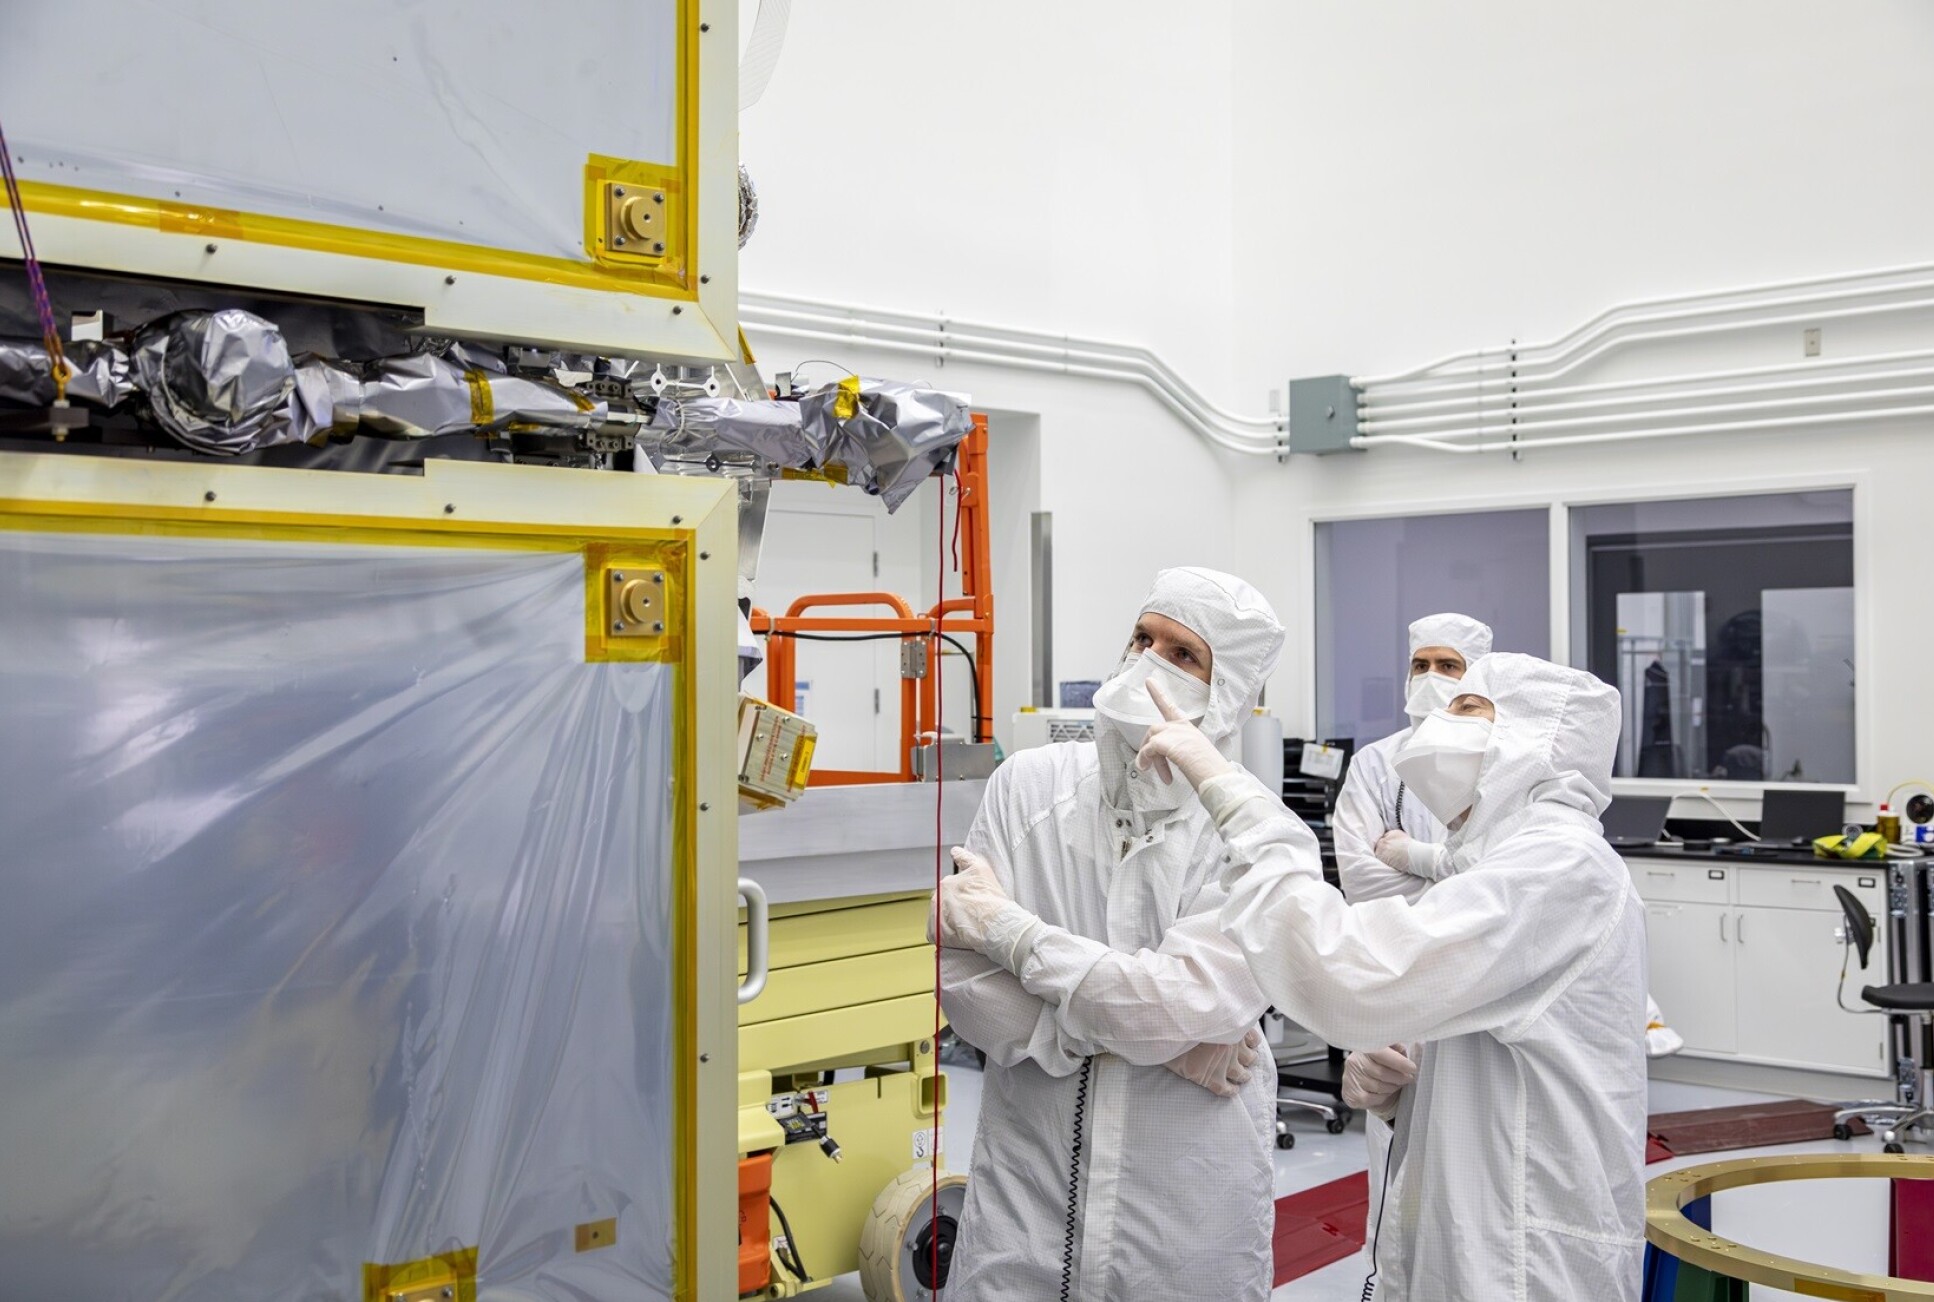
(672, 278)
(128, 498)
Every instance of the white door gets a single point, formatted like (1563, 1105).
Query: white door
(1788, 963)
(1691, 947)
(822, 540)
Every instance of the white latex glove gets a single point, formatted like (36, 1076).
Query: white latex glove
(1221, 1069)
(1175, 741)
(1372, 1079)
(1407, 854)
(971, 910)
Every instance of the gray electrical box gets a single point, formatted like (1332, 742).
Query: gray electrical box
(1322, 415)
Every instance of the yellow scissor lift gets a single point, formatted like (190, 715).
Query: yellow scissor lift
(841, 1102)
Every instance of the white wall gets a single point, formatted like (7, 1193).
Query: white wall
(1060, 166)
(1355, 188)
(1453, 177)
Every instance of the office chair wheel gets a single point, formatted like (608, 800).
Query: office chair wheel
(1339, 1123)
(1842, 1131)
(1892, 1148)
(1285, 1140)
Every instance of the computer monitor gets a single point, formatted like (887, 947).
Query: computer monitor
(1801, 814)
(1635, 821)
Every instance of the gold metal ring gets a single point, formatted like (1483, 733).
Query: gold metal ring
(1668, 1230)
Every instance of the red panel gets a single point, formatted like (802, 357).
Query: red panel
(1319, 1226)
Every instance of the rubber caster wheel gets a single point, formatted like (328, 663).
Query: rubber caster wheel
(898, 1252)
(1337, 1125)
(1892, 1148)
(1285, 1141)
(1842, 1131)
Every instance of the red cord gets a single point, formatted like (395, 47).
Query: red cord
(939, 852)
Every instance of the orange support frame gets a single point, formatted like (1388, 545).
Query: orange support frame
(969, 615)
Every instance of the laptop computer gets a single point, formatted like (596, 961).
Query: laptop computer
(1795, 816)
(1635, 822)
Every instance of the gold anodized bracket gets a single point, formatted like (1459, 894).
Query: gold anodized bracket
(636, 604)
(633, 216)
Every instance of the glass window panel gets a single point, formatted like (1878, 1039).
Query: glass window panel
(1727, 623)
(1374, 576)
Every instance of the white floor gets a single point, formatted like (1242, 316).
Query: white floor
(1846, 1227)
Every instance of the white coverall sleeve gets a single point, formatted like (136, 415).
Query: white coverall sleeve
(1152, 1005)
(1480, 951)
(1358, 822)
(984, 1002)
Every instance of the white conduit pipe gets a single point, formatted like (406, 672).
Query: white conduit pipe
(1375, 399)
(1435, 443)
(1503, 420)
(997, 338)
(1233, 441)
(1505, 428)
(1842, 286)
(1535, 375)
(952, 342)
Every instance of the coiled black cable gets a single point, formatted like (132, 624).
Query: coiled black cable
(1074, 1181)
(1401, 788)
(1383, 1200)
(793, 1262)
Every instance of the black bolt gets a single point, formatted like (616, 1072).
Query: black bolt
(449, 508)
(209, 496)
(618, 190)
(619, 240)
(676, 309)
(618, 628)
(657, 628)
(658, 196)
(705, 556)
(678, 519)
(704, 280)
(449, 280)
(657, 248)
(705, 27)
(617, 577)
(208, 248)
(658, 578)
(703, 807)
(705, 1057)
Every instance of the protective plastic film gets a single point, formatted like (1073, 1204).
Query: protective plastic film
(338, 927)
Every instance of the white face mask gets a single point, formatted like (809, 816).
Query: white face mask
(1432, 691)
(1124, 699)
(1441, 760)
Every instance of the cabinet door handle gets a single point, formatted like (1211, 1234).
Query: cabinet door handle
(1660, 872)
(1722, 928)
(1805, 881)
(1739, 929)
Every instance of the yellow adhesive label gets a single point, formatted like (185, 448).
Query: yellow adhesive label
(847, 404)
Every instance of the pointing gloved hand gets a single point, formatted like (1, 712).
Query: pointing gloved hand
(1221, 1069)
(974, 912)
(1373, 1078)
(1178, 742)
(1407, 854)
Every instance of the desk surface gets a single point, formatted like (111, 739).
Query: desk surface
(1743, 854)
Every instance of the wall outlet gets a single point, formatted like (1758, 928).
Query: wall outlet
(1812, 338)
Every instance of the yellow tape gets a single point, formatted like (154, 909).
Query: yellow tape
(482, 409)
(847, 404)
(448, 1275)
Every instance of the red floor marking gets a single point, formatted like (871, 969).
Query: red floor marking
(1319, 1226)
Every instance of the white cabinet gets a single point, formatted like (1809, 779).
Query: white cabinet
(1692, 957)
(1787, 968)
(1745, 961)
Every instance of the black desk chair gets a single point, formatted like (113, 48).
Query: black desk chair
(1914, 1002)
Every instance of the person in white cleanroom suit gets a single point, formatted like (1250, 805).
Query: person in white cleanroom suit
(1124, 1148)
(1517, 1168)
(1388, 843)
